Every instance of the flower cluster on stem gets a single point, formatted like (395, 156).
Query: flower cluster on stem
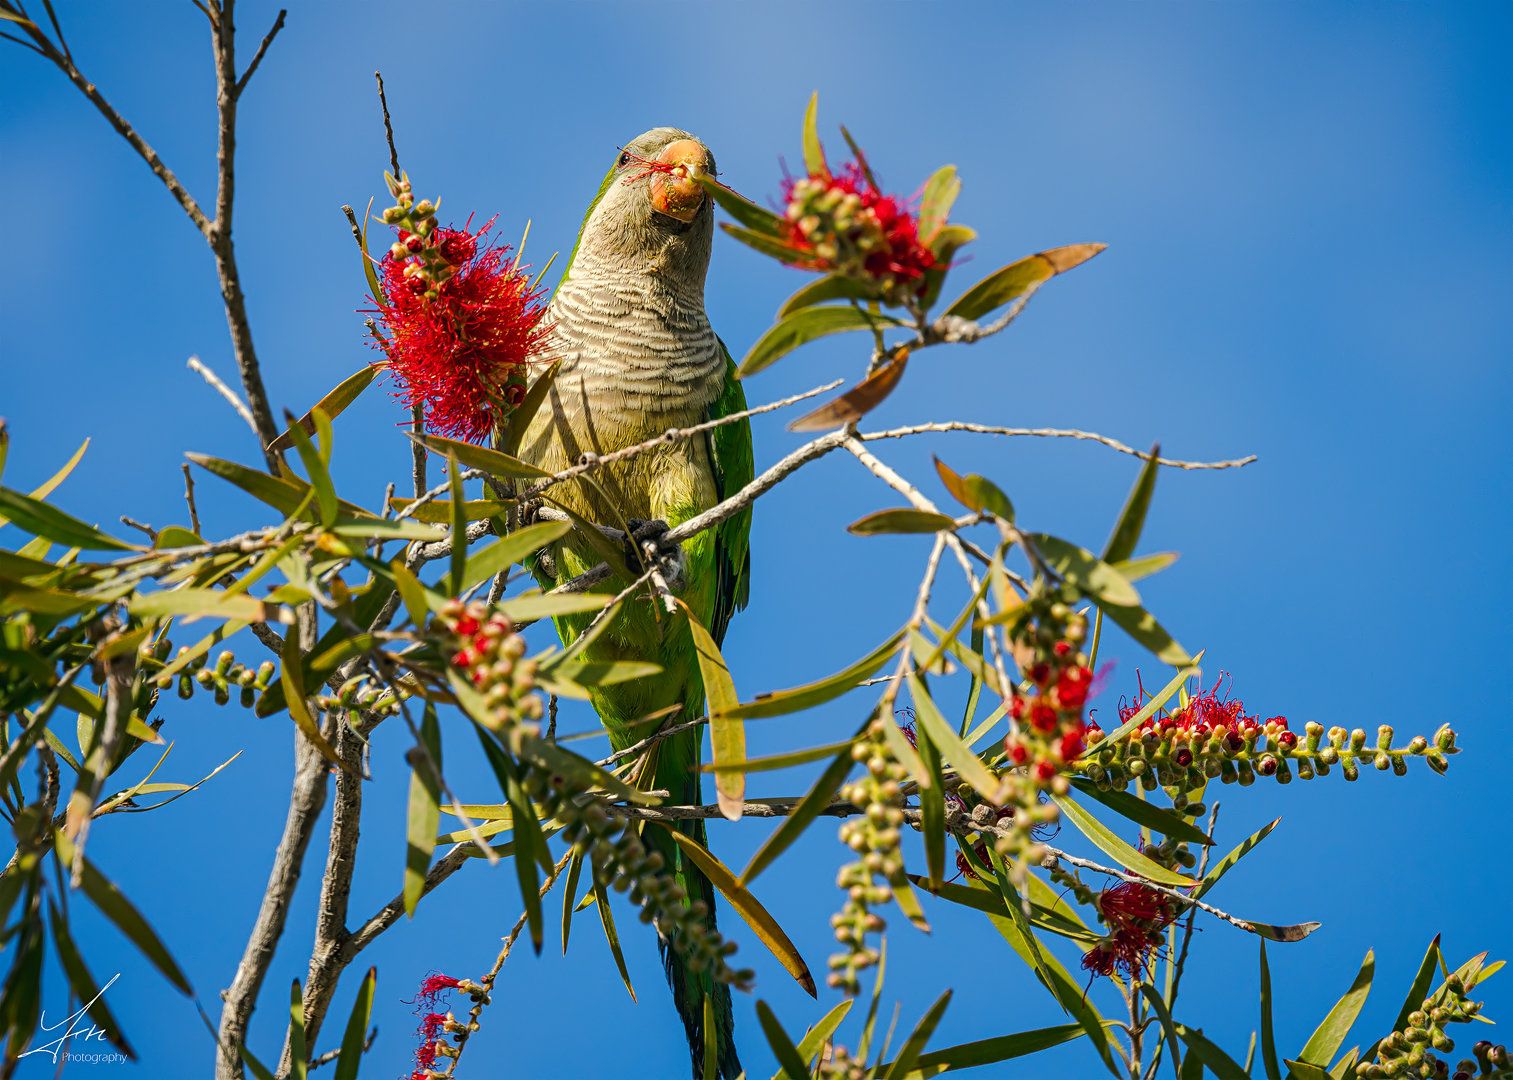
(1410, 1052)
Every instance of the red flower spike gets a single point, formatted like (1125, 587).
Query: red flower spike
(461, 353)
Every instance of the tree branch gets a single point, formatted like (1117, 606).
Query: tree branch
(278, 24)
(1054, 433)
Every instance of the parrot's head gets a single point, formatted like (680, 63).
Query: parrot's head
(650, 207)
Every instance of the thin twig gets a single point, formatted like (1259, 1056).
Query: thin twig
(152, 534)
(388, 130)
(1051, 433)
(278, 24)
(195, 364)
(1136, 880)
(331, 1055)
(194, 514)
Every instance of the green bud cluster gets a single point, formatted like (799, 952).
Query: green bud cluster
(218, 678)
(841, 231)
(1410, 1052)
(364, 693)
(1493, 1061)
(419, 251)
(484, 646)
(874, 835)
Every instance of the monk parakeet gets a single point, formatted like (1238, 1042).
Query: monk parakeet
(637, 357)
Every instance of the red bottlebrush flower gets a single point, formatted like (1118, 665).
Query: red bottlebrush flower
(1044, 771)
(1073, 686)
(1288, 739)
(1093, 734)
(1183, 757)
(1042, 717)
(1017, 706)
(462, 353)
(1039, 673)
(1019, 754)
(1136, 915)
(1071, 746)
(426, 1003)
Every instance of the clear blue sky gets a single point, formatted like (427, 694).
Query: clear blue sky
(1308, 213)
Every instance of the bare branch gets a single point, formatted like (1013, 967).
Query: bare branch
(386, 917)
(1133, 879)
(152, 534)
(196, 364)
(418, 451)
(388, 131)
(194, 514)
(1053, 433)
(278, 24)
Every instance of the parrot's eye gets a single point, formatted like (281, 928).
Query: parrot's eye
(624, 159)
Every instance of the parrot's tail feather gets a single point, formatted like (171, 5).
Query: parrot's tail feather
(689, 987)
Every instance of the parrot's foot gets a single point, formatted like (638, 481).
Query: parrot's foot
(646, 546)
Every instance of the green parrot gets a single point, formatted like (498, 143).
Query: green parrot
(637, 357)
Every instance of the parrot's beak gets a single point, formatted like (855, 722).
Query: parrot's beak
(676, 193)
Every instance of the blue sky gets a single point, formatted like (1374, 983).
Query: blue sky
(1308, 213)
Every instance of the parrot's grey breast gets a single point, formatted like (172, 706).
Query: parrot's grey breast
(637, 345)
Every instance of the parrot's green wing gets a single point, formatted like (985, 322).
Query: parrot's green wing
(734, 467)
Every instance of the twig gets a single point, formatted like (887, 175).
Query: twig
(389, 914)
(195, 364)
(418, 454)
(152, 534)
(278, 24)
(952, 328)
(1187, 935)
(1134, 880)
(1051, 433)
(331, 1055)
(389, 134)
(194, 514)
(604, 612)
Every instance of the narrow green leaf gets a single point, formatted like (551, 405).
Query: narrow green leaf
(1420, 988)
(935, 204)
(1214, 1059)
(902, 520)
(747, 907)
(756, 218)
(815, 1038)
(1143, 627)
(582, 771)
(570, 895)
(481, 457)
(607, 920)
(345, 393)
(794, 1066)
(1145, 566)
(83, 984)
(439, 511)
(299, 1057)
(363, 528)
(528, 608)
(259, 1070)
(48, 522)
(782, 702)
(1126, 534)
(1082, 568)
(531, 844)
(830, 287)
(803, 814)
(411, 591)
(1303, 1070)
(991, 1051)
(1329, 1036)
(804, 326)
(727, 734)
(611, 552)
(291, 677)
(1268, 1033)
(210, 603)
(176, 536)
(530, 405)
(932, 806)
(1147, 710)
(780, 761)
(1144, 813)
(424, 811)
(598, 673)
(908, 1055)
(104, 894)
(711, 1041)
(814, 153)
(967, 764)
(352, 1040)
(508, 550)
(459, 560)
(1224, 865)
(1001, 286)
(320, 477)
(277, 492)
(1346, 1065)
(1116, 848)
(45, 489)
(1158, 1006)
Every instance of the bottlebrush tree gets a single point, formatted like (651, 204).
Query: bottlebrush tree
(393, 630)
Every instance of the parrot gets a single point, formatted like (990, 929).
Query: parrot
(637, 356)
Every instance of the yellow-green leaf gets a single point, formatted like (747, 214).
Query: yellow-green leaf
(1001, 286)
(782, 702)
(902, 520)
(1116, 848)
(727, 734)
(345, 393)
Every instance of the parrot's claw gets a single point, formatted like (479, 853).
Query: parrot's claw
(668, 558)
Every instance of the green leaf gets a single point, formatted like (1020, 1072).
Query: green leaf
(350, 1057)
(411, 591)
(711, 1041)
(259, 1070)
(1001, 286)
(18, 597)
(345, 393)
(607, 919)
(967, 765)
(292, 679)
(727, 734)
(531, 844)
(976, 492)
(528, 608)
(1214, 1059)
(570, 895)
(932, 807)
(48, 522)
(1082, 568)
(1146, 711)
(935, 204)
(278, 493)
(830, 287)
(756, 218)
(991, 1051)
(1121, 545)
(479, 457)
(1329, 1036)
(1158, 1006)
(599, 673)
(746, 906)
(1143, 627)
(1224, 865)
(782, 702)
(991, 902)
(508, 550)
(1345, 1066)
(210, 603)
(459, 559)
(804, 326)
(1420, 988)
(42, 491)
(530, 405)
(363, 528)
(1143, 813)
(780, 761)
(299, 1056)
(83, 984)
(793, 1065)
(424, 812)
(815, 1038)
(1116, 848)
(814, 153)
(1268, 1034)
(1145, 566)
(805, 812)
(772, 245)
(611, 552)
(1302, 1070)
(908, 1055)
(902, 520)
(119, 910)
(320, 477)
(176, 536)
(581, 771)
